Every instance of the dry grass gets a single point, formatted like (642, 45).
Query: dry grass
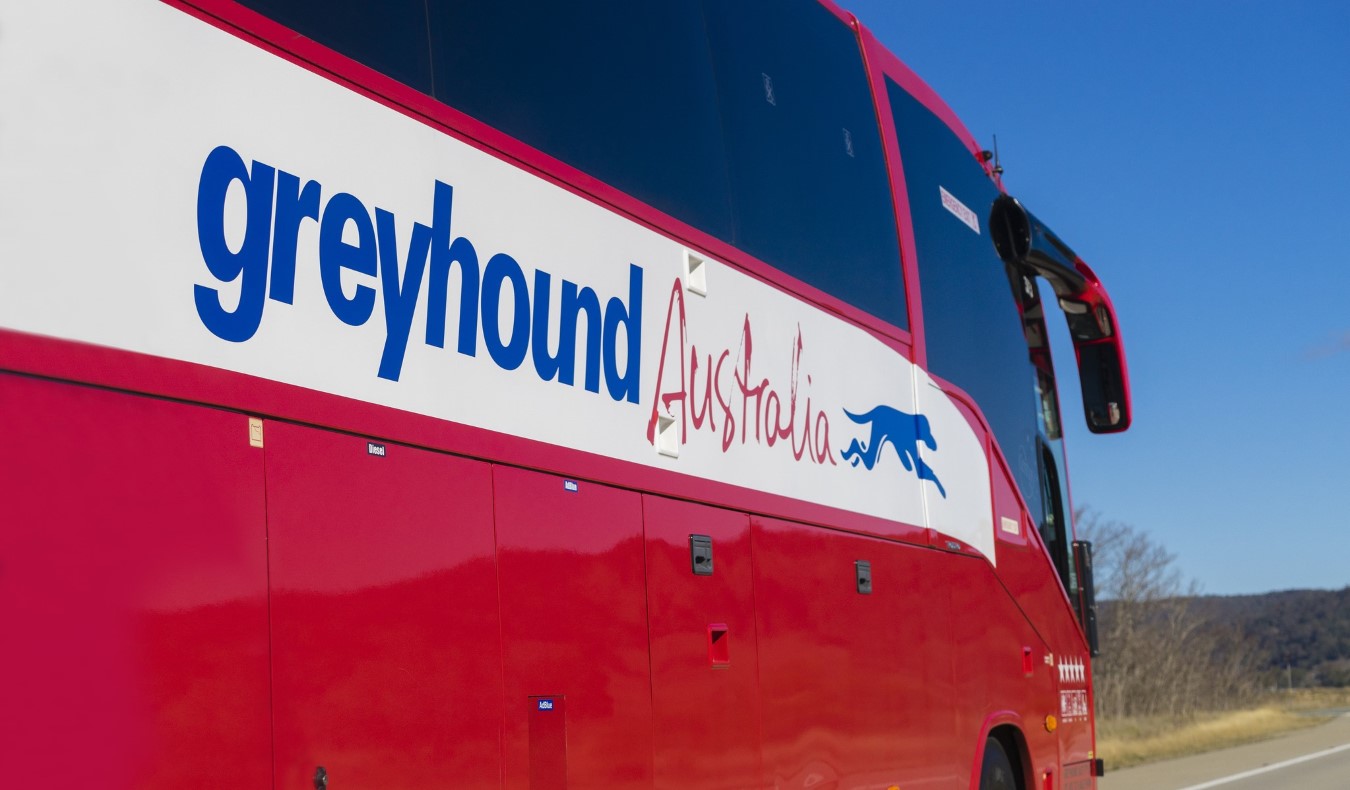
(1315, 699)
(1133, 741)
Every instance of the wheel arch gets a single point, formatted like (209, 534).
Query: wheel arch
(1007, 728)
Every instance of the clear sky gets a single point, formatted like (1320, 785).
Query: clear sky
(1197, 156)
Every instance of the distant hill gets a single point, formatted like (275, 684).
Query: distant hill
(1306, 630)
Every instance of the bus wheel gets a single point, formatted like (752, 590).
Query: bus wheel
(997, 771)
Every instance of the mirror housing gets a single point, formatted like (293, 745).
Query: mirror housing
(1025, 242)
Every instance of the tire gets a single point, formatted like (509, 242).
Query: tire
(997, 771)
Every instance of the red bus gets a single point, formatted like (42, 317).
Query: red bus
(451, 394)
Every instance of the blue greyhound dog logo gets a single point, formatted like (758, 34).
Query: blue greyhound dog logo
(902, 432)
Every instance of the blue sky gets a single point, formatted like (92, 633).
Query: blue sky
(1197, 156)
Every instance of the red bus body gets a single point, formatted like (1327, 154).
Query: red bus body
(214, 572)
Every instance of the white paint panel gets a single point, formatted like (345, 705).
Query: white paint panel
(110, 111)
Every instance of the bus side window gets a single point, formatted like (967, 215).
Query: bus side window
(752, 121)
(388, 36)
(808, 177)
(971, 299)
(620, 90)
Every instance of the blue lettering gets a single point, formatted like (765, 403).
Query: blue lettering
(563, 365)
(368, 253)
(444, 255)
(293, 205)
(624, 387)
(574, 303)
(400, 297)
(223, 167)
(549, 366)
(336, 255)
(508, 355)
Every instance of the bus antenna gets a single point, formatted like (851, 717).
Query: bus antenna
(985, 156)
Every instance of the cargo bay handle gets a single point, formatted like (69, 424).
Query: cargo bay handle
(1024, 242)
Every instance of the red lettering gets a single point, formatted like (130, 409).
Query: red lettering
(762, 405)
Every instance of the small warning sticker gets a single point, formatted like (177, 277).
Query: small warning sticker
(959, 210)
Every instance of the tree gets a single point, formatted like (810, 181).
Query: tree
(1159, 655)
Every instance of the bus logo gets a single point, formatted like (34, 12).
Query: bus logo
(352, 242)
(903, 432)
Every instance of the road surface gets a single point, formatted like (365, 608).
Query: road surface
(1313, 759)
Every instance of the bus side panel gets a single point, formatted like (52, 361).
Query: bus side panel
(705, 673)
(999, 664)
(578, 702)
(387, 667)
(845, 676)
(132, 593)
(1030, 577)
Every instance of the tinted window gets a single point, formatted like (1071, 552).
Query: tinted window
(808, 176)
(618, 89)
(389, 36)
(970, 310)
(750, 120)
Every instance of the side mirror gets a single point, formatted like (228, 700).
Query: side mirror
(1102, 373)
(1087, 594)
(1023, 241)
(1106, 393)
